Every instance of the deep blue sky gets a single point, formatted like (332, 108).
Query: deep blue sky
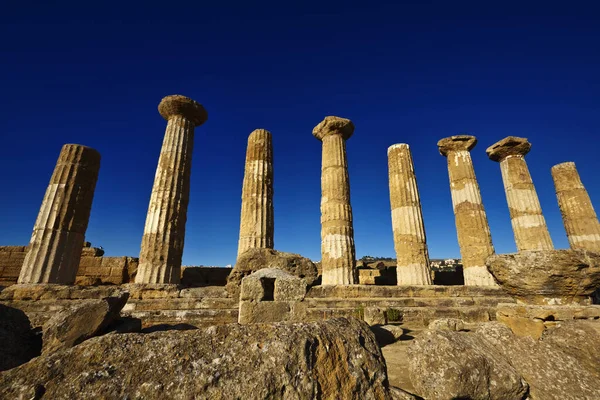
(403, 72)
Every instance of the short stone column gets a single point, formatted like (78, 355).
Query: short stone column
(59, 231)
(407, 219)
(579, 217)
(164, 232)
(338, 259)
(256, 220)
(528, 223)
(472, 227)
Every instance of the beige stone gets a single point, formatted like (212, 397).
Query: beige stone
(164, 232)
(407, 219)
(528, 222)
(59, 231)
(579, 217)
(472, 227)
(256, 220)
(337, 233)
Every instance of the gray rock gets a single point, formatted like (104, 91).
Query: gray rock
(337, 358)
(563, 365)
(447, 324)
(18, 342)
(451, 365)
(257, 259)
(80, 322)
(547, 277)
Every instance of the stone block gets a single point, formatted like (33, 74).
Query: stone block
(375, 316)
(289, 289)
(265, 312)
(272, 284)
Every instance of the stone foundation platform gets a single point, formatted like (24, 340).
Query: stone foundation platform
(210, 305)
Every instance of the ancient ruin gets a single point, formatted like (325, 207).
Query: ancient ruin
(278, 325)
(59, 231)
(472, 227)
(256, 220)
(407, 219)
(579, 217)
(338, 259)
(164, 232)
(529, 225)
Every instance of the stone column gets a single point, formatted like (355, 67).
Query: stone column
(59, 231)
(472, 226)
(338, 259)
(256, 220)
(529, 225)
(164, 232)
(407, 219)
(579, 217)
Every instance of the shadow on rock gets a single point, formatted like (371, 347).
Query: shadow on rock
(19, 342)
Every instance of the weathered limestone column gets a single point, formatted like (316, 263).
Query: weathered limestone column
(407, 219)
(164, 232)
(472, 226)
(59, 231)
(529, 225)
(256, 220)
(579, 217)
(338, 259)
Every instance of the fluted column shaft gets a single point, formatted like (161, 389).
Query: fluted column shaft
(529, 225)
(337, 234)
(407, 219)
(528, 222)
(59, 231)
(579, 217)
(164, 232)
(256, 220)
(472, 227)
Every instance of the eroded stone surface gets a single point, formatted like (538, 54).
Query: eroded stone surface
(18, 342)
(256, 259)
(447, 324)
(548, 277)
(338, 358)
(528, 222)
(407, 219)
(164, 231)
(338, 258)
(472, 226)
(59, 231)
(256, 219)
(579, 216)
(84, 320)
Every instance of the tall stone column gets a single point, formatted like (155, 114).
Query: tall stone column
(164, 232)
(529, 225)
(472, 226)
(59, 231)
(407, 219)
(256, 220)
(579, 217)
(338, 260)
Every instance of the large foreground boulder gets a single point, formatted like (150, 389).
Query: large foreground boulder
(18, 342)
(82, 321)
(549, 276)
(257, 259)
(333, 359)
(493, 363)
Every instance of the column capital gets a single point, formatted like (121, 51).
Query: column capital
(334, 126)
(456, 143)
(509, 146)
(176, 104)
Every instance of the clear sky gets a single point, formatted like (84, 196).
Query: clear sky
(413, 72)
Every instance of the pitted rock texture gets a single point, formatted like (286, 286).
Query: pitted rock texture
(579, 216)
(256, 259)
(445, 365)
(334, 125)
(338, 358)
(58, 234)
(86, 319)
(19, 343)
(177, 104)
(547, 277)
